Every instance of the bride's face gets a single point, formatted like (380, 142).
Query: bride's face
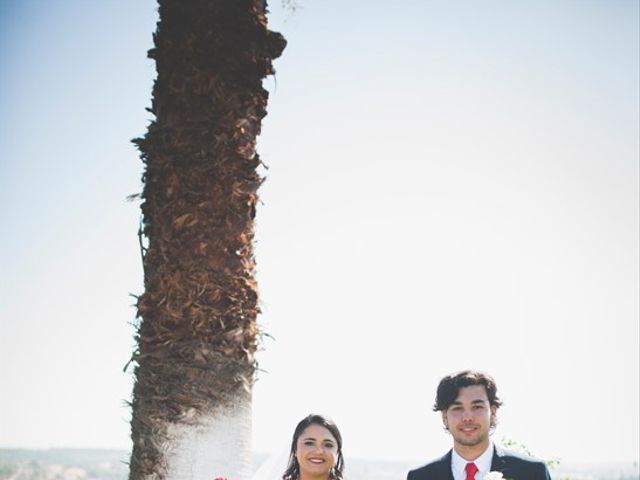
(316, 451)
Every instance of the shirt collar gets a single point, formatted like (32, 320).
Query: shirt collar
(483, 462)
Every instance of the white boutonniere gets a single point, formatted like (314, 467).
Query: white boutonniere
(494, 476)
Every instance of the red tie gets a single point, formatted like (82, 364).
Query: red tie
(471, 470)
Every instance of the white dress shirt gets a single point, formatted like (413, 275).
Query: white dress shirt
(483, 462)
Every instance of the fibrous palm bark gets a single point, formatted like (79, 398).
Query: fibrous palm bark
(197, 334)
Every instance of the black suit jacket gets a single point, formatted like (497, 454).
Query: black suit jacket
(512, 465)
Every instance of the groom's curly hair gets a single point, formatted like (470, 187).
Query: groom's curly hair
(449, 388)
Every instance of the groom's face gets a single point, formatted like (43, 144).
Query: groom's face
(470, 417)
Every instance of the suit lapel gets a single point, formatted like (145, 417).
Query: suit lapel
(445, 467)
(497, 462)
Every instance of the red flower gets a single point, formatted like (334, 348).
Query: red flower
(220, 478)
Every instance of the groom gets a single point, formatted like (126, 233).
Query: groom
(468, 403)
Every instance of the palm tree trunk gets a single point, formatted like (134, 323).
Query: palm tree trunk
(197, 332)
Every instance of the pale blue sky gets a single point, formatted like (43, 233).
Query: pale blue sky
(451, 185)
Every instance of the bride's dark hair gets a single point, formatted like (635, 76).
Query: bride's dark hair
(293, 469)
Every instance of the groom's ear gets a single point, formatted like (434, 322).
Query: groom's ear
(444, 419)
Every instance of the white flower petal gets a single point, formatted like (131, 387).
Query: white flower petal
(493, 476)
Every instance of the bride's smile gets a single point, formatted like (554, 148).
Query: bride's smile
(316, 451)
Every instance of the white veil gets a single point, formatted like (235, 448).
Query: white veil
(273, 467)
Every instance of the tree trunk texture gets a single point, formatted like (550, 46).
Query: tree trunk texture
(197, 332)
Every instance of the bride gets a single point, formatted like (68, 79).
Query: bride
(316, 453)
